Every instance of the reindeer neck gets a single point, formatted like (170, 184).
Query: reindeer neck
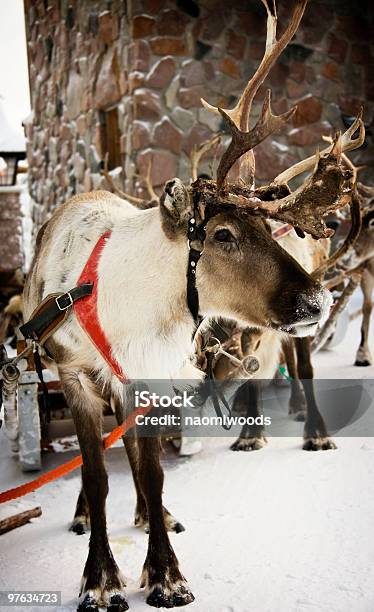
(142, 296)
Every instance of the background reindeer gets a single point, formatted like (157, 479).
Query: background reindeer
(360, 257)
(143, 310)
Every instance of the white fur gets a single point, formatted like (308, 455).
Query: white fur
(141, 282)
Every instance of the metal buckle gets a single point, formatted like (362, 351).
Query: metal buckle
(62, 308)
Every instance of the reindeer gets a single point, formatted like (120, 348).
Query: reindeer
(216, 231)
(362, 255)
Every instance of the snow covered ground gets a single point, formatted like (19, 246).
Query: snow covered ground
(276, 530)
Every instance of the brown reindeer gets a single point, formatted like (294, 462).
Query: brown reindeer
(270, 347)
(214, 230)
(362, 254)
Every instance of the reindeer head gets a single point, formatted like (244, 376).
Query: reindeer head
(235, 267)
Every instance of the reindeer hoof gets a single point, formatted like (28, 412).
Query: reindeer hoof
(80, 525)
(363, 363)
(160, 597)
(315, 444)
(171, 523)
(89, 604)
(248, 444)
(141, 521)
(117, 603)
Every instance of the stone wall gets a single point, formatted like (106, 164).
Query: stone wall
(77, 65)
(155, 59)
(11, 251)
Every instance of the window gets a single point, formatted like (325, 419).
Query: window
(111, 137)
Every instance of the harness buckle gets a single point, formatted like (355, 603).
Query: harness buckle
(67, 305)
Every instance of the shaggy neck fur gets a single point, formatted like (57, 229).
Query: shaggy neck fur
(142, 297)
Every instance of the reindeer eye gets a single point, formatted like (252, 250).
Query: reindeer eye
(223, 235)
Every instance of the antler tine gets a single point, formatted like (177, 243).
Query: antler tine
(347, 144)
(240, 113)
(347, 161)
(337, 148)
(199, 151)
(326, 190)
(242, 142)
(114, 188)
(148, 182)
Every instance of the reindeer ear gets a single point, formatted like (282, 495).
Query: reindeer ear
(175, 205)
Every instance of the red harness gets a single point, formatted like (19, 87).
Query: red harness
(86, 309)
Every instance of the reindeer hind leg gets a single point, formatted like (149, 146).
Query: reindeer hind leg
(81, 521)
(363, 356)
(131, 446)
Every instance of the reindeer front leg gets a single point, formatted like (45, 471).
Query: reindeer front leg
(102, 582)
(363, 357)
(166, 586)
(246, 400)
(297, 403)
(315, 432)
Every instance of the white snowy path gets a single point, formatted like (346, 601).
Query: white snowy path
(277, 530)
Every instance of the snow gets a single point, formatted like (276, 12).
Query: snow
(275, 530)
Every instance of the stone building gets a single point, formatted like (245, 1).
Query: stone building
(12, 147)
(125, 78)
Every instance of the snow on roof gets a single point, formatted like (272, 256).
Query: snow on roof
(10, 140)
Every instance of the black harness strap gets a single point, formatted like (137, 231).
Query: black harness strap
(39, 371)
(51, 312)
(47, 317)
(195, 233)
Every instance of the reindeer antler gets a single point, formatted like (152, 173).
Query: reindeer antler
(349, 241)
(113, 186)
(199, 151)
(243, 140)
(139, 202)
(348, 143)
(328, 188)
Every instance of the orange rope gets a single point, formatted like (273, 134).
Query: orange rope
(73, 464)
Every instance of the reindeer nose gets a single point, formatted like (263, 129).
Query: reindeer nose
(310, 305)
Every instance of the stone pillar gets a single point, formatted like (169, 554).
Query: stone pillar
(11, 252)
